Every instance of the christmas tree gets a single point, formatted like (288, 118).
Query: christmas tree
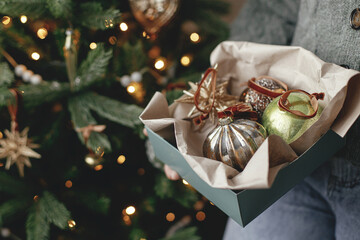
(74, 78)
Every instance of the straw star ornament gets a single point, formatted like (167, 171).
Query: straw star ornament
(17, 149)
(208, 97)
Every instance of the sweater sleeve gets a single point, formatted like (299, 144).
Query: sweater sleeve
(266, 21)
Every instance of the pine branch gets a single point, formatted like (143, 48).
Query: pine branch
(186, 233)
(37, 226)
(211, 23)
(30, 8)
(34, 95)
(12, 207)
(55, 211)
(165, 189)
(136, 233)
(18, 38)
(93, 67)
(60, 8)
(45, 211)
(81, 117)
(93, 201)
(6, 75)
(133, 57)
(10, 185)
(93, 16)
(124, 114)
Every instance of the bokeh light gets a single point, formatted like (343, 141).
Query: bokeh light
(93, 45)
(170, 217)
(130, 210)
(123, 27)
(194, 37)
(42, 33)
(23, 19)
(35, 56)
(121, 159)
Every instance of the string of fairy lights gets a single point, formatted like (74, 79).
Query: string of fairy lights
(160, 64)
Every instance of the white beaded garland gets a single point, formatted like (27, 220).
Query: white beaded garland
(136, 76)
(35, 79)
(5, 232)
(19, 70)
(27, 75)
(125, 80)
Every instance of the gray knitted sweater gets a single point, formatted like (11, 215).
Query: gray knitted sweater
(321, 26)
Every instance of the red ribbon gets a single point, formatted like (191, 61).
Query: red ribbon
(210, 72)
(241, 110)
(270, 93)
(284, 103)
(13, 109)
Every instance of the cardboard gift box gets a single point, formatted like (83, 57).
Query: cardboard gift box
(244, 195)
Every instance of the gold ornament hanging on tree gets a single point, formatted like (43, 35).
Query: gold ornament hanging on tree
(92, 159)
(16, 147)
(154, 14)
(208, 97)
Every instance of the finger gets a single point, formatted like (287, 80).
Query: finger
(171, 174)
(145, 131)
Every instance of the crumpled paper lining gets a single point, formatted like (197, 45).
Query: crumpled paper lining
(240, 61)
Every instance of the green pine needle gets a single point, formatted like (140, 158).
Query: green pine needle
(60, 8)
(6, 75)
(122, 113)
(93, 16)
(55, 211)
(186, 233)
(37, 226)
(133, 57)
(93, 67)
(12, 186)
(166, 189)
(81, 117)
(12, 207)
(94, 202)
(30, 8)
(46, 92)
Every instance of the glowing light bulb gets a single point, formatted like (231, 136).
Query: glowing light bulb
(42, 33)
(200, 216)
(93, 45)
(1, 135)
(170, 217)
(185, 182)
(71, 223)
(23, 19)
(35, 56)
(160, 64)
(68, 184)
(144, 34)
(185, 61)
(127, 220)
(112, 40)
(98, 167)
(194, 37)
(36, 198)
(121, 159)
(131, 89)
(130, 210)
(123, 27)
(6, 20)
